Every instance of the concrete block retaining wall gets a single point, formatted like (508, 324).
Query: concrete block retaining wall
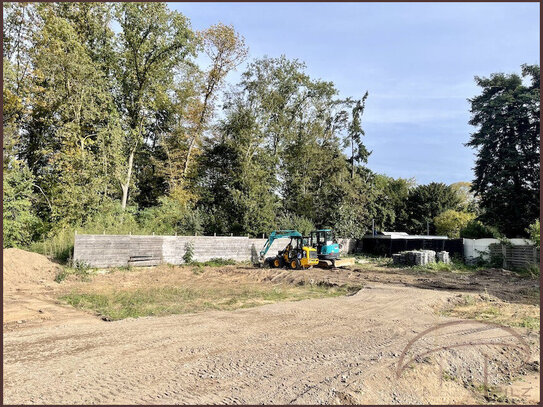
(348, 246)
(123, 250)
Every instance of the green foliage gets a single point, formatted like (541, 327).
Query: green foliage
(468, 201)
(78, 269)
(61, 275)
(116, 131)
(534, 232)
(451, 222)
(189, 253)
(388, 201)
(171, 217)
(359, 153)
(506, 117)
(424, 203)
(455, 266)
(18, 215)
(122, 116)
(154, 42)
(475, 229)
(296, 222)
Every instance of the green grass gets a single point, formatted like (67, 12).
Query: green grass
(487, 309)
(61, 275)
(362, 260)
(157, 301)
(455, 266)
(529, 322)
(215, 262)
(80, 270)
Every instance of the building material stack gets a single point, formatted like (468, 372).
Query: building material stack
(419, 257)
(443, 257)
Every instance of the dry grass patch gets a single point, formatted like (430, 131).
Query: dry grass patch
(169, 290)
(490, 309)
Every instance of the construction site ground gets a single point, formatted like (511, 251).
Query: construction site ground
(367, 334)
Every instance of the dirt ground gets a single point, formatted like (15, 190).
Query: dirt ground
(387, 343)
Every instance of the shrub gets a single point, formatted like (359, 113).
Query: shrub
(475, 229)
(61, 275)
(112, 219)
(170, 217)
(533, 231)
(189, 252)
(218, 261)
(19, 214)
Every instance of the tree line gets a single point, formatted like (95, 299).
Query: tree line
(118, 118)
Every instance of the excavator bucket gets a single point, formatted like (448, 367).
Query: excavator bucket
(328, 264)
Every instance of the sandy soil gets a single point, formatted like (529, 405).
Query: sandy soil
(384, 344)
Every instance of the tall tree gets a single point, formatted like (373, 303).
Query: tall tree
(238, 177)
(72, 112)
(468, 201)
(21, 21)
(388, 201)
(226, 50)
(153, 44)
(19, 215)
(506, 115)
(359, 153)
(424, 203)
(293, 124)
(194, 106)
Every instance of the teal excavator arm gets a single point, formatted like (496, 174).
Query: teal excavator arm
(277, 234)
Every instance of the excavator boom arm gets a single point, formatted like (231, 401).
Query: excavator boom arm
(277, 234)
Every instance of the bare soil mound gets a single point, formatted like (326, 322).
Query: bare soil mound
(23, 269)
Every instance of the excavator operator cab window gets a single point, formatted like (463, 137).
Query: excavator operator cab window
(322, 238)
(328, 237)
(296, 243)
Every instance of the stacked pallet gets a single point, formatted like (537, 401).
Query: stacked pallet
(419, 257)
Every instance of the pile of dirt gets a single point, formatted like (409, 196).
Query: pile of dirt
(23, 269)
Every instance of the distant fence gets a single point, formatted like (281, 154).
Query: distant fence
(125, 250)
(480, 248)
(515, 257)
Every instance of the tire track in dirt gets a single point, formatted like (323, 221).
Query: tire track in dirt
(342, 349)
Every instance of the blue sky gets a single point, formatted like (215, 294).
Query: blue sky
(417, 60)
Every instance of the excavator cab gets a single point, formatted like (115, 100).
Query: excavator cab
(323, 240)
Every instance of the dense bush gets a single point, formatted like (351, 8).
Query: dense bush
(534, 232)
(299, 223)
(451, 222)
(18, 215)
(477, 230)
(171, 217)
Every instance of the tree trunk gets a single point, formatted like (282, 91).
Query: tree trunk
(125, 185)
(125, 195)
(191, 146)
(352, 158)
(200, 126)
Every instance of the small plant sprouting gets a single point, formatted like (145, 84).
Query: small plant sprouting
(189, 252)
(61, 275)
